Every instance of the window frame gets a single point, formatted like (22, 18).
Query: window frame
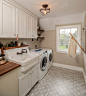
(79, 31)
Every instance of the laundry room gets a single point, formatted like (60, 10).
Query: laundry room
(43, 48)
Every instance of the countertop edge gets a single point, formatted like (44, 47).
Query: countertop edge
(9, 69)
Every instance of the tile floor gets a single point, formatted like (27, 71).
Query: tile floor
(60, 82)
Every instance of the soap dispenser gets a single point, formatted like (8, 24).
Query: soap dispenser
(35, 46)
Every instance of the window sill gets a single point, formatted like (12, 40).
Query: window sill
(67, 52)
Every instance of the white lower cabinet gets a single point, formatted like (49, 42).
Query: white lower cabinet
(35, 75)
(27, 81)
(24, 84)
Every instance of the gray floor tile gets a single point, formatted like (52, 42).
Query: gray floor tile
(60, 82)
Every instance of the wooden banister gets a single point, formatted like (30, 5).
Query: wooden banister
(77, 42)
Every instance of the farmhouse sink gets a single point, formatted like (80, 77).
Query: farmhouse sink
(26, 60)
(23, 58)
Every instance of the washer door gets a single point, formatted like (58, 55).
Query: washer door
(43, 64)
(50, 57)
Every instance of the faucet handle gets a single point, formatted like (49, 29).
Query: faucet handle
(24, 50)
(19, 53)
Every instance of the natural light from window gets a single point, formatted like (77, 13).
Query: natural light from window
(63, 36)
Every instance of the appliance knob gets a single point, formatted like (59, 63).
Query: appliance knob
(43, 52)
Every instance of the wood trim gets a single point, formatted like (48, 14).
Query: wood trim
(9, 66)
(40, 30)
(76, 41)
(7, 48)
(41, 37)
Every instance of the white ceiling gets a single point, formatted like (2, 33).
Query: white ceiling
(58, 8)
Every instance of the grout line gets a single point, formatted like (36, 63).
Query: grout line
(72, 68)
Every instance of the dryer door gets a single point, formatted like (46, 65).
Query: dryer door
(50, 57)
(43, 64)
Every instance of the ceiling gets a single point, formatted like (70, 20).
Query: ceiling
(58, 8)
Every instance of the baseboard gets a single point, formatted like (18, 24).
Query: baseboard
(68, 66)
(84, 75)
(71, 67)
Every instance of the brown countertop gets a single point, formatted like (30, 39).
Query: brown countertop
(7, 48)
(9, 66)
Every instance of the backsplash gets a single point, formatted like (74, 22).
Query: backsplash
(28, 42)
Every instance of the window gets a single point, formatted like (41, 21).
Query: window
(63, 37)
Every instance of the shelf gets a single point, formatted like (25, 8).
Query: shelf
(41, 37)
(7, 48)
(41, 30)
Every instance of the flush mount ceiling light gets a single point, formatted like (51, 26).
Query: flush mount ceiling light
(45, 10)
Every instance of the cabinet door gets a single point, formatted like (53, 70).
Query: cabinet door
(25, 84)
(35, 75)
(29, 26)
(20, 23)
(7, 20)
(34, 25)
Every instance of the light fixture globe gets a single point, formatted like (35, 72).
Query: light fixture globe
(45, 10)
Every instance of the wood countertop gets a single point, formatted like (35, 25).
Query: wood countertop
(7, 48)
(9, 66)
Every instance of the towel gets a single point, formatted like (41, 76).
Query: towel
(72, 48)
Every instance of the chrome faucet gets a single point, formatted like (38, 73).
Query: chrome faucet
(22, 51)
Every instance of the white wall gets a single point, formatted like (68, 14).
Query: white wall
(49, 23)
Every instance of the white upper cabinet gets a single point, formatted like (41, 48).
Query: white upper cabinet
(15, 21)
(7, 20)
(34, 28)
(31, 27)
(20, 23)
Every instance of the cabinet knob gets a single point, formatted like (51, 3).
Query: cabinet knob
(15, 34)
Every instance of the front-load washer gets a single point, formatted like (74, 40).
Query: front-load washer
(43, 65)
(43, 68)
(50, 58)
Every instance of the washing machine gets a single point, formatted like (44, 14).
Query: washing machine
(43, 68)
(50, 58)
(43, 65)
